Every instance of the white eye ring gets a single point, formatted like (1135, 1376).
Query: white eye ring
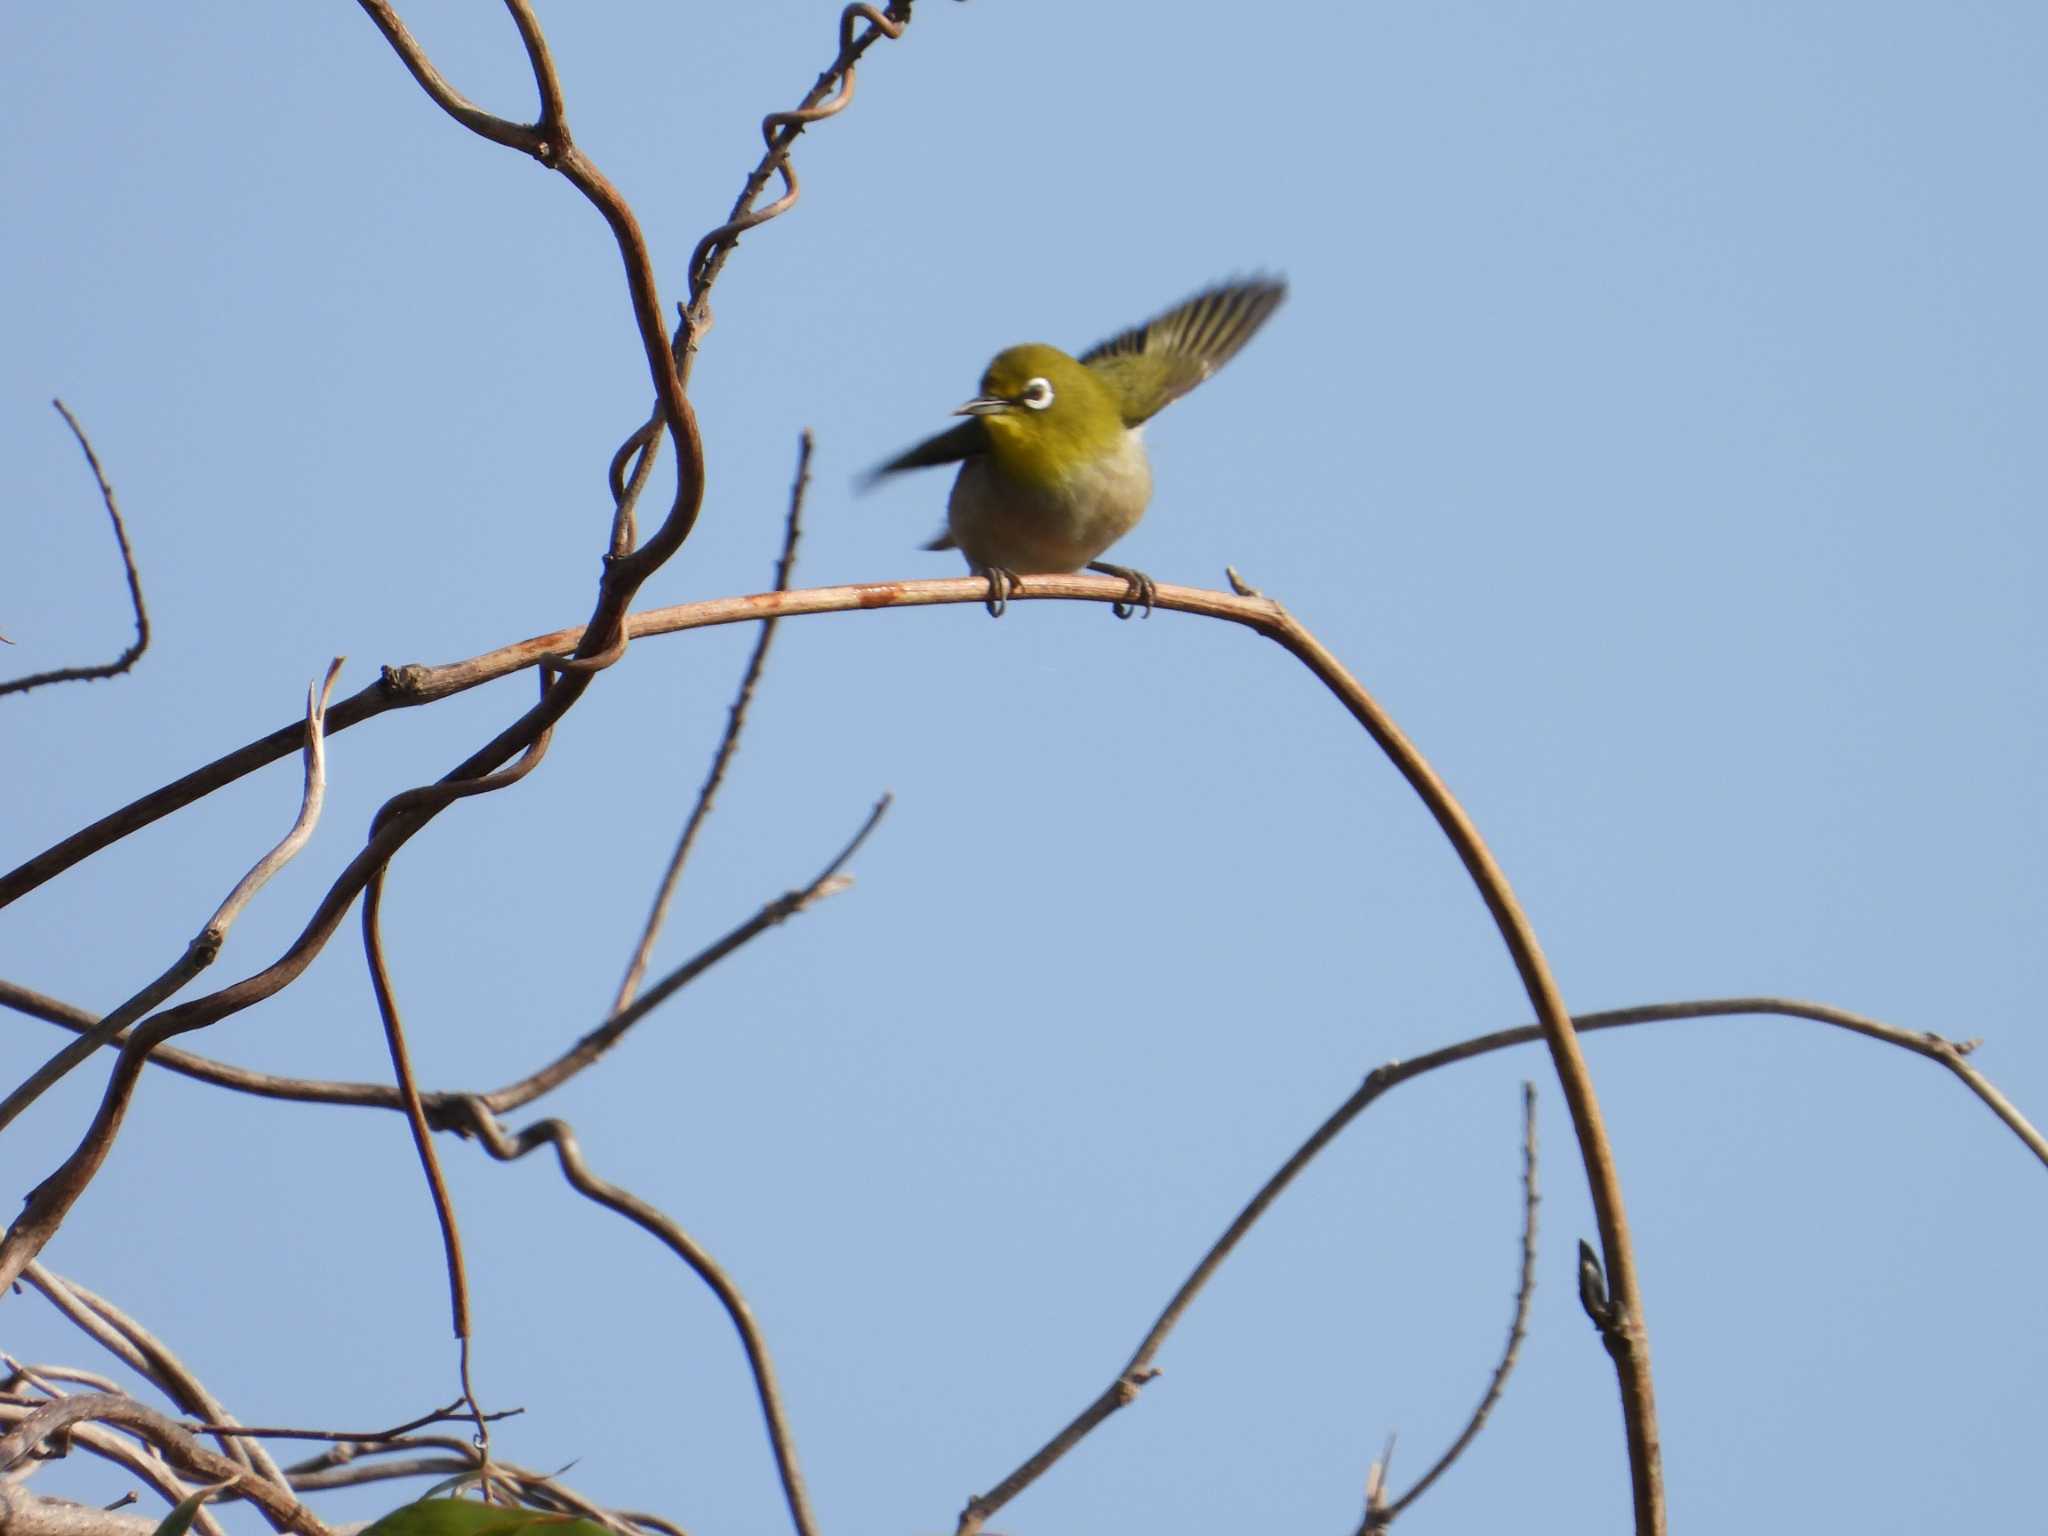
(1037, 394)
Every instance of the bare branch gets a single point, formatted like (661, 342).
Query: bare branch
(587, 1050)
(1123, 1389)
(735, 722)
(133, 653)
(779, 131)
(1380, 1517)
(150, 1357)
(23, 1515)
(419, 684)
(556, 1133)
(44, 1378)
(401, 818)
(422, 1136)
(550, 141)
(459, 1409)
(206, 947)
(519, 136)
(829, 882)
(279, 1507)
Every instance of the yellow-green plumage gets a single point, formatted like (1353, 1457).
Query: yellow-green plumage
(1052, 468)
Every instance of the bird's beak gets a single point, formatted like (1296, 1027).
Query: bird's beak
(983, 405)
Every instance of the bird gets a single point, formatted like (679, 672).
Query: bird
(1052, 459)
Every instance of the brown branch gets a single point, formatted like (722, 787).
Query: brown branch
(591, 1047)
(459, 1409)
(1379, 1514)
(419, 684)
(522, 137)
(401, 1060)
(550, 142)
(49, 1202)
(278, 1506)
(356, 1474)
(422, 1137)
(1123, 1390)
(556, 1133)
(151, 1358)
(44, 1378)
(779, 131)
(133, 653)
(735, 722)
(205, 948)
(513, 1095)
(108, 1445)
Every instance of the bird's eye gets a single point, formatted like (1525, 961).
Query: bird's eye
(1037, 394)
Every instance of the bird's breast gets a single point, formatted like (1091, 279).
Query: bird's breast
(1049, 523)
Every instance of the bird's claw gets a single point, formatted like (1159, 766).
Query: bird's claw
(1002, 586)
(1143, 590)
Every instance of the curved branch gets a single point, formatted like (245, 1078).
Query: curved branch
(205, 948)
(525, 138)
(23, 1515)
(133, 653)
(592, 1046)
(1379, 1516)
(735, 722)
(418, 684)
(44, 1210)
(279, 1507)
(556, 1133)
(1123, 1390)
(779, 131)
(148, 1355)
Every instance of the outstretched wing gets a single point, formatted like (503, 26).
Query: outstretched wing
(1152, 365)
(949, 447)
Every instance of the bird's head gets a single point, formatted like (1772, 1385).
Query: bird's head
(1044, 412)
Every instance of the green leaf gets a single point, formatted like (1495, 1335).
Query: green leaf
(179, 1520)
(472, 1517)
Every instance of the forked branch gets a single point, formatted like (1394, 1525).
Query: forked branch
(133, 653)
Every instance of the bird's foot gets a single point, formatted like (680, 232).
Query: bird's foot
(1002, 586)
(1142, 592)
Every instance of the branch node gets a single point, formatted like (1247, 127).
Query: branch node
(1593, 1295)
(406, 682)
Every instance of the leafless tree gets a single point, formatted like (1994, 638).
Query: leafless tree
(47, 1408)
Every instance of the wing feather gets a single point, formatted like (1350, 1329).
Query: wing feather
(1152, 365)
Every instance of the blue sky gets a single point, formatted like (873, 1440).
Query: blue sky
(1654, 426)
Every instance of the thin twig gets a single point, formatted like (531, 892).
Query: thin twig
(550, 141)
(123, 1451)
(590, 1048)
(828, 882)
(133, 653)
(401, 1058)
(779, 131)
(44, 1377)
(1525, 1287)
(416, 1118)
(150, 1357)
(831, 94)
(278, 1505)
(735, 722)
(206, 946)
(498, 130)
(402, 818)
(556, 1133)
(457, 1410)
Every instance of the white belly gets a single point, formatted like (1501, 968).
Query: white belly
(998, 521)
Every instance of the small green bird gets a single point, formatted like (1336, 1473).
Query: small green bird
(1052, 465)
